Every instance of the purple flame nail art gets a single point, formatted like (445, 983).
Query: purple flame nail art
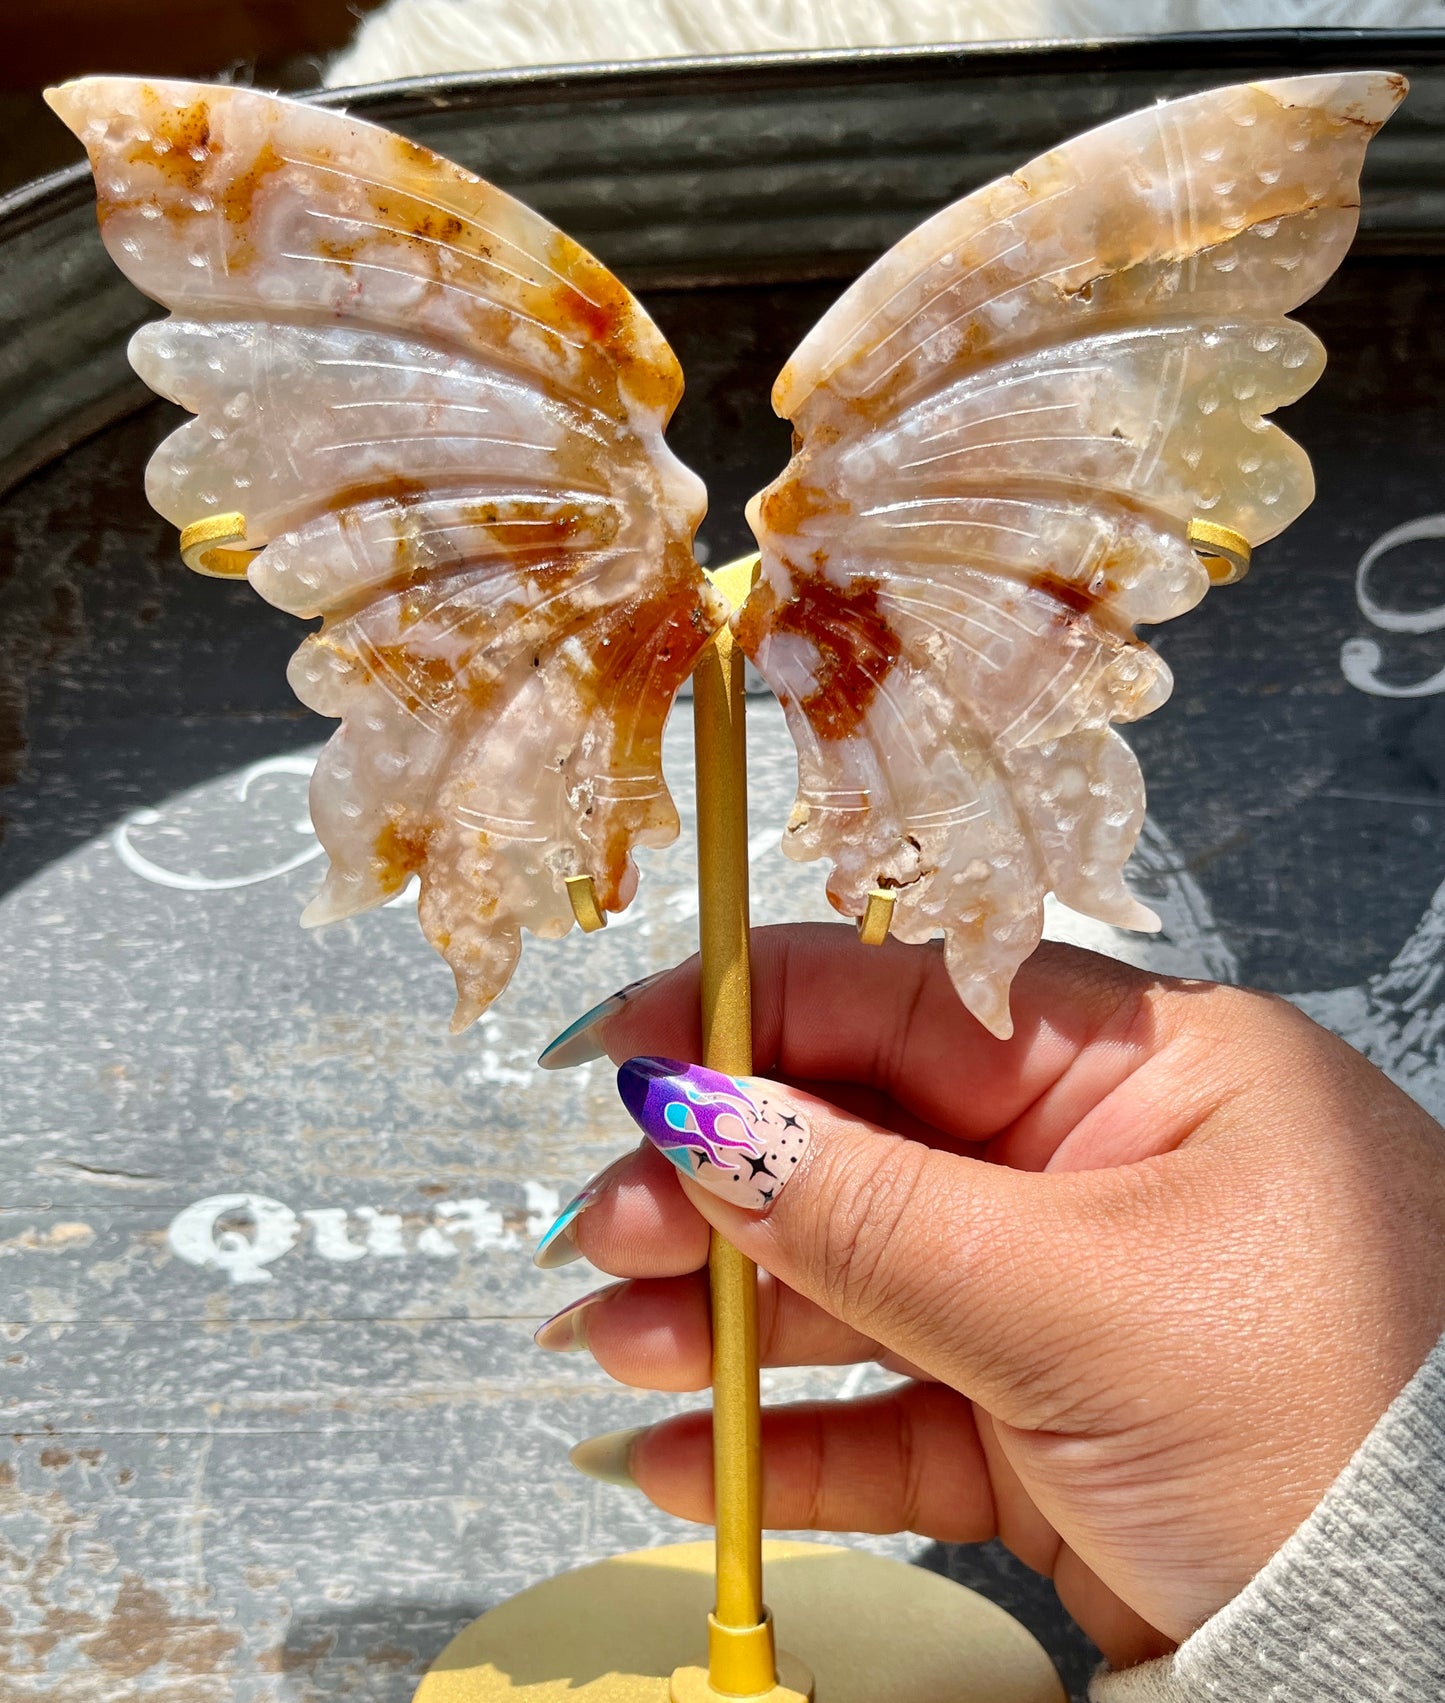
(735, 1135)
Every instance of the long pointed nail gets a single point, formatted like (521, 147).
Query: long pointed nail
(608, 1458)
(566, 1332)
(579, 1042)
(737, 1136)
(558, 1246)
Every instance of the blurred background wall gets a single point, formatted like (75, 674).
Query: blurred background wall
(299, 44)
(281, 44)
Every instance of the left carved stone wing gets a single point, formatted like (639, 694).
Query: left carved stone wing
(443, 423)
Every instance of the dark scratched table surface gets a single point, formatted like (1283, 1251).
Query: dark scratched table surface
(273, 1426)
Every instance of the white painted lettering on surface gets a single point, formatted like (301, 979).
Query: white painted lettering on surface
(239, 786)
(543, 1205)
(138, 863)
(483, 1223)
(210, 1234)
(241, 1234)
(383, 1233)
(328, 1227)
(1360, 659)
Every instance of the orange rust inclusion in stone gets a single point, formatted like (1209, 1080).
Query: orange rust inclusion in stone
(417, 679)
(789, 502)
(589, 301)
(523, 530)
(238, 199)
(1069, 592)
(182, 149)
(635, 683)
(598, 321)
(186, 131)
(856, 646)
(392, 488)
(400, 852)
(1075, 599)
(637, 652)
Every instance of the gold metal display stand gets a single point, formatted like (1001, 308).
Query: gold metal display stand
(741, 1660)
(630, 1630)
(873, 1631)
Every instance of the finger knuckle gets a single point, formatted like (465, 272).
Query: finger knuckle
(815, 1481)
(859, 1255)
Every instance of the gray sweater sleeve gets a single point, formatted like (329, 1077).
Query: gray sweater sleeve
(1352, 1608)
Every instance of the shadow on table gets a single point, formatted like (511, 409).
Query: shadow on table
(381, 1650)
(990, 1570)
(378, 1651)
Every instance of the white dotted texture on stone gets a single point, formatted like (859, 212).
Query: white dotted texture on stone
(1002, 432)
(444, 421)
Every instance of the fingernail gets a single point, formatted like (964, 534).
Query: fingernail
(608, 1458)
(566, 1332)
(558, 1246)
(578, 1043)
(737, 1136)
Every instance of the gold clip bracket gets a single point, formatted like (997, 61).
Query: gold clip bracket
(583, 896)
(877, 918)
(216, 546)
(1224, 552)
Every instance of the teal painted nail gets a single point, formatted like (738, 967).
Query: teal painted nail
(559, 1246)
(578, 1043)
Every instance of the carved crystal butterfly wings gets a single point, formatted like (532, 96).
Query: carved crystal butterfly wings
(1003, 433)
(443, 420)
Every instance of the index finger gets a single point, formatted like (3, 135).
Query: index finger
(828, 1009)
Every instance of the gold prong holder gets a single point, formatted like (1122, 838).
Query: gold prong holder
(877, 918)
(217, 547)
(1224, 552)
(582, 892)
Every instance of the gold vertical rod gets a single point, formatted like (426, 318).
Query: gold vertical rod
(738, 1666)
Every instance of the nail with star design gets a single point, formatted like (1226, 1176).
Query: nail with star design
(579, 1042)
(738, 1136)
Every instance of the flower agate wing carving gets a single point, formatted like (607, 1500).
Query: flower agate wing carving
(1001, 434)
(443, 420)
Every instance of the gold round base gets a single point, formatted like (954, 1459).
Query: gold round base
(869, 1631)
(693, 1685)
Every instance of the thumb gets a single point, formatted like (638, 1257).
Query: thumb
(986, 1278)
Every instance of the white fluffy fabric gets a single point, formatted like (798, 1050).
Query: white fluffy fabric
(411, 38)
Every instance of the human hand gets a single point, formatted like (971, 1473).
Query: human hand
(1154, 1266)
